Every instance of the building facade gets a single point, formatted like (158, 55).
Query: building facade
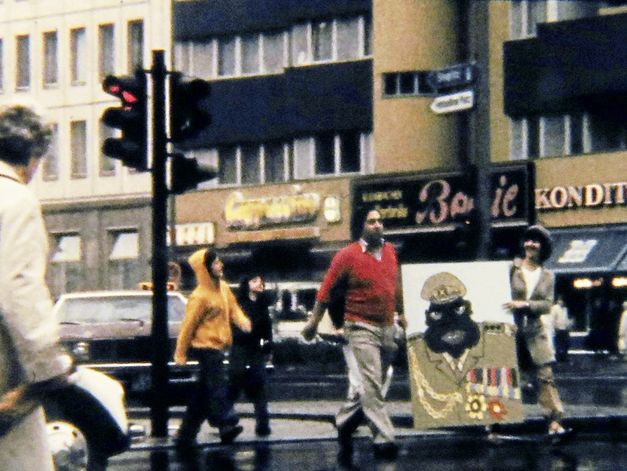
(462, 121)
(55, 54)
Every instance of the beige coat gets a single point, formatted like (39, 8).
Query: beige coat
(534, 332)
(28, 330)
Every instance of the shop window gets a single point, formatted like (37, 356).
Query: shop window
(275, 162)
(228, 166)
(66, 273)
(50, 59)
(325, 154)
(124, 259)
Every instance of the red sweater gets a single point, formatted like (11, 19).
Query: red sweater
(371, 292)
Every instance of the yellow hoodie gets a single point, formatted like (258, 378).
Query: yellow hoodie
(209, 313)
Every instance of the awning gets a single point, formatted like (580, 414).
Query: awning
(588, 250)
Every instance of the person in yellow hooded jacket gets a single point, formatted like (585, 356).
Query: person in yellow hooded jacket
(206, 334)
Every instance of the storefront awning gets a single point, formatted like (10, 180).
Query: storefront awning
(588, 250)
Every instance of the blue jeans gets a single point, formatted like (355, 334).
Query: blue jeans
(208, 400)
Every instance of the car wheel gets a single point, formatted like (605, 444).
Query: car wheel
(68, 446)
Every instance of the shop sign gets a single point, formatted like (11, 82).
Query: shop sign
(592, 195)
(196, 233)
(426, 203)
(243, 213)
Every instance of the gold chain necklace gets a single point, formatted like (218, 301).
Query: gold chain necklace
(422, 386)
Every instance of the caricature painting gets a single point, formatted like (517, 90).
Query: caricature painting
(461, 345)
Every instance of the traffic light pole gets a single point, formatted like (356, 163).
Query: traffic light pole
(160, 338)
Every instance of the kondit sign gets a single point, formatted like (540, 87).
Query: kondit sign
(591, 195)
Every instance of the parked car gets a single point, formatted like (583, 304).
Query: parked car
(110, 331)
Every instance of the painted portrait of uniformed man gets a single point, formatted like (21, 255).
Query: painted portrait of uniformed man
(460, 345)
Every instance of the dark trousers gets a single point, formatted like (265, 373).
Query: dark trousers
(247, 372)
(208, 400)
(562, 344)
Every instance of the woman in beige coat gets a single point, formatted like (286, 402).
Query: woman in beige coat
(532, 287)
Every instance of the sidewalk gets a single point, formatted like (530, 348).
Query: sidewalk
(313, 421)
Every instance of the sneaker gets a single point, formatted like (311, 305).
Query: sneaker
(229, 433)
(386, 451)
(558, 434)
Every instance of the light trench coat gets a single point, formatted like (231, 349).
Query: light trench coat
(28, 330)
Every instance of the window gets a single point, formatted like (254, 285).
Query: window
(250, 46)
(253, 163)
(273, 55)
(226, 57)
(228, 166)
(106, 163)
(275, 162)
(106, 50)
(78, 56)
(524, 17)
(333, 39)
(322, 41)
(135, 53)
(66, 273)
(203, 60)
(50, 164)
(568, 134)
(51, 67)
(78, 140)
(124, 259)
(348, 39)
(22, 66)
(608, 130)
(1, 65)
(407, 84)
(332, 154)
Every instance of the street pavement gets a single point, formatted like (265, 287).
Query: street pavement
(594, 392)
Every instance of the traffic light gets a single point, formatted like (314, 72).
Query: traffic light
(130, 118)
(187, 173)
(187, 116)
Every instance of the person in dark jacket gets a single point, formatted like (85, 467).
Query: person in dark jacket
(250, 351)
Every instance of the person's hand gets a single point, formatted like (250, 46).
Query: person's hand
(180, 359)
(310, 330)
(16, 403)
(517, 304)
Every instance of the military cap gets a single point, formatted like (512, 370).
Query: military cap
(442, 288)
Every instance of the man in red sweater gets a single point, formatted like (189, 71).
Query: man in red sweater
(367, 271)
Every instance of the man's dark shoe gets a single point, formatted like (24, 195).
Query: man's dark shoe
(229, 433)
(185, 445)
(345, 437)
(263, 430)
(386, 451)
